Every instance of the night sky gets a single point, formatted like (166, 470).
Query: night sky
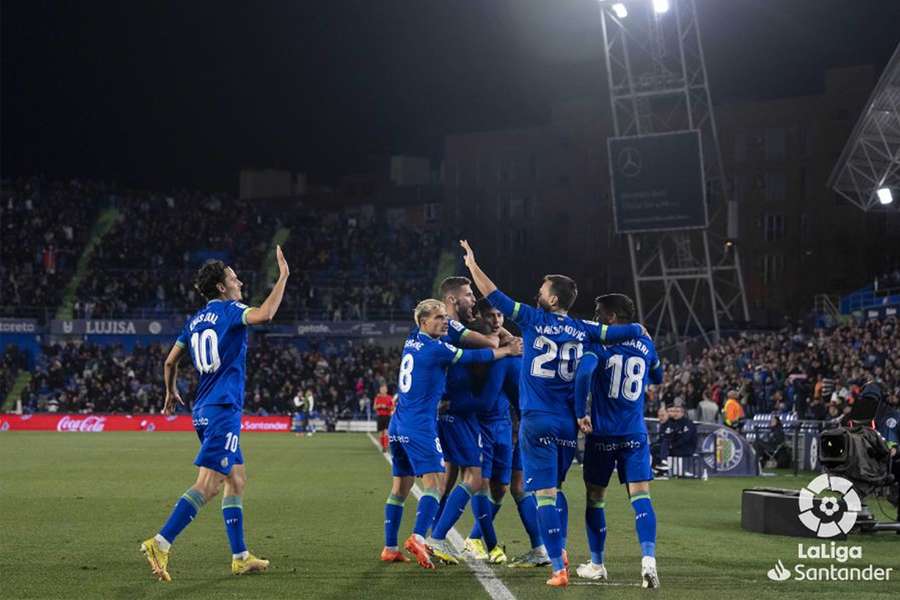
(168, 94)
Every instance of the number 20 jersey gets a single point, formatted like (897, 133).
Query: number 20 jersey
(216, 337)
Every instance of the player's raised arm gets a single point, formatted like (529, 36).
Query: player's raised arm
(482, 281)
(265, 312)
(170, 375)
(511, 309)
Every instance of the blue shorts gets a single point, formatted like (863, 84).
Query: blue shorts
(548, 446)
(516, 456)
(461, 439)
(415, 454)
(496, 450)
(628, 454)
(219, 429)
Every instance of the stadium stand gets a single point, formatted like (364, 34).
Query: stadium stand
(44, 227)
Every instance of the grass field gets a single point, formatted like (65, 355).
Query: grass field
(74, 508)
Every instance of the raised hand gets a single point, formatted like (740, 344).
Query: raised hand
(469, 258)
(283, 270)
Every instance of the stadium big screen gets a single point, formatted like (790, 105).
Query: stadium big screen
(657, 182)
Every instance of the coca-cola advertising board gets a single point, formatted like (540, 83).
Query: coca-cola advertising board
(96, 423)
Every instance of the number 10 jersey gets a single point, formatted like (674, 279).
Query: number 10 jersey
(216, 337)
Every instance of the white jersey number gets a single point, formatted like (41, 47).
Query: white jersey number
(634, 369)
(406, 368)
(206, 351)
(568, 354)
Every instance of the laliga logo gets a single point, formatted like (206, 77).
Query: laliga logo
(829, 519)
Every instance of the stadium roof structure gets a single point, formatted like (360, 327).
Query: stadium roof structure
(871, 159)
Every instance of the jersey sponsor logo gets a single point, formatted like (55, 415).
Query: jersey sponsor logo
(451, 347)
(446, 418)
(224, 462)
(605, 446)
(400, 439)
(549, 440)
(201, 422)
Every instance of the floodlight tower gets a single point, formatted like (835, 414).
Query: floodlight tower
(684, 251)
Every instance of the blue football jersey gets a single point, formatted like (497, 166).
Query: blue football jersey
(619, 386)
(553, 344)
(216, 337)
(501, 382)
(423, 376)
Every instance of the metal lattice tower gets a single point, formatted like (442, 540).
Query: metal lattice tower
(685, 281)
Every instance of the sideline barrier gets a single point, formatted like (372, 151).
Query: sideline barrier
(93, 423)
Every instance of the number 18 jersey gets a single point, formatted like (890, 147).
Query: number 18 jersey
(619, 386)
(216, 337)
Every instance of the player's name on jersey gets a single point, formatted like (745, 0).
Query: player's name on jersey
(638, 344)
(558, 329)
(413, 344)
(204, 318)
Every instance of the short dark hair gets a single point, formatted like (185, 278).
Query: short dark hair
(208, 277)
(482, 306)
(620, 304)
(452, 284)
(564, 288)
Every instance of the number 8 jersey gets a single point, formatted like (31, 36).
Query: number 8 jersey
(216, 337)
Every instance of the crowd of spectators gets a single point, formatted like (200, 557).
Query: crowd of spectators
(12, 361)
(815, 376)
(82, 377)
(348, 264)
(146, 262)
(43, 227)
(355, 268)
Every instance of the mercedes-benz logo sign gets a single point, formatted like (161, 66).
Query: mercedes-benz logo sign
(629, 161)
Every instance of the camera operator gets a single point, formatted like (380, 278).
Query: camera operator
(887, 422)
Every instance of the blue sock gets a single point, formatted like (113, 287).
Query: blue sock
(476, 528)
(185, 510)
(548, 516)
(393, 514)
(595, 519)
(427, 507)
(233, 513)
(645, 523)
(562, 506)
(483, 509)
(456, 506)
(527, 507)
(440, 510)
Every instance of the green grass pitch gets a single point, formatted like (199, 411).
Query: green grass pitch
(74, 508)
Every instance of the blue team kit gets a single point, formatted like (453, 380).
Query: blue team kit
(413, 432)
(553, 345)
(216, 337)
(618, 377)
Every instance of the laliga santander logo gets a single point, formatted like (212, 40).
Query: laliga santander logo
(834, 515)
(90, 424)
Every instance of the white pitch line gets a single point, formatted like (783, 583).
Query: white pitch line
(485, 576)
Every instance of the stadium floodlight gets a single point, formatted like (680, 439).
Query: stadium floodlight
(620, 10)
(660, 6)
(884, 196)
